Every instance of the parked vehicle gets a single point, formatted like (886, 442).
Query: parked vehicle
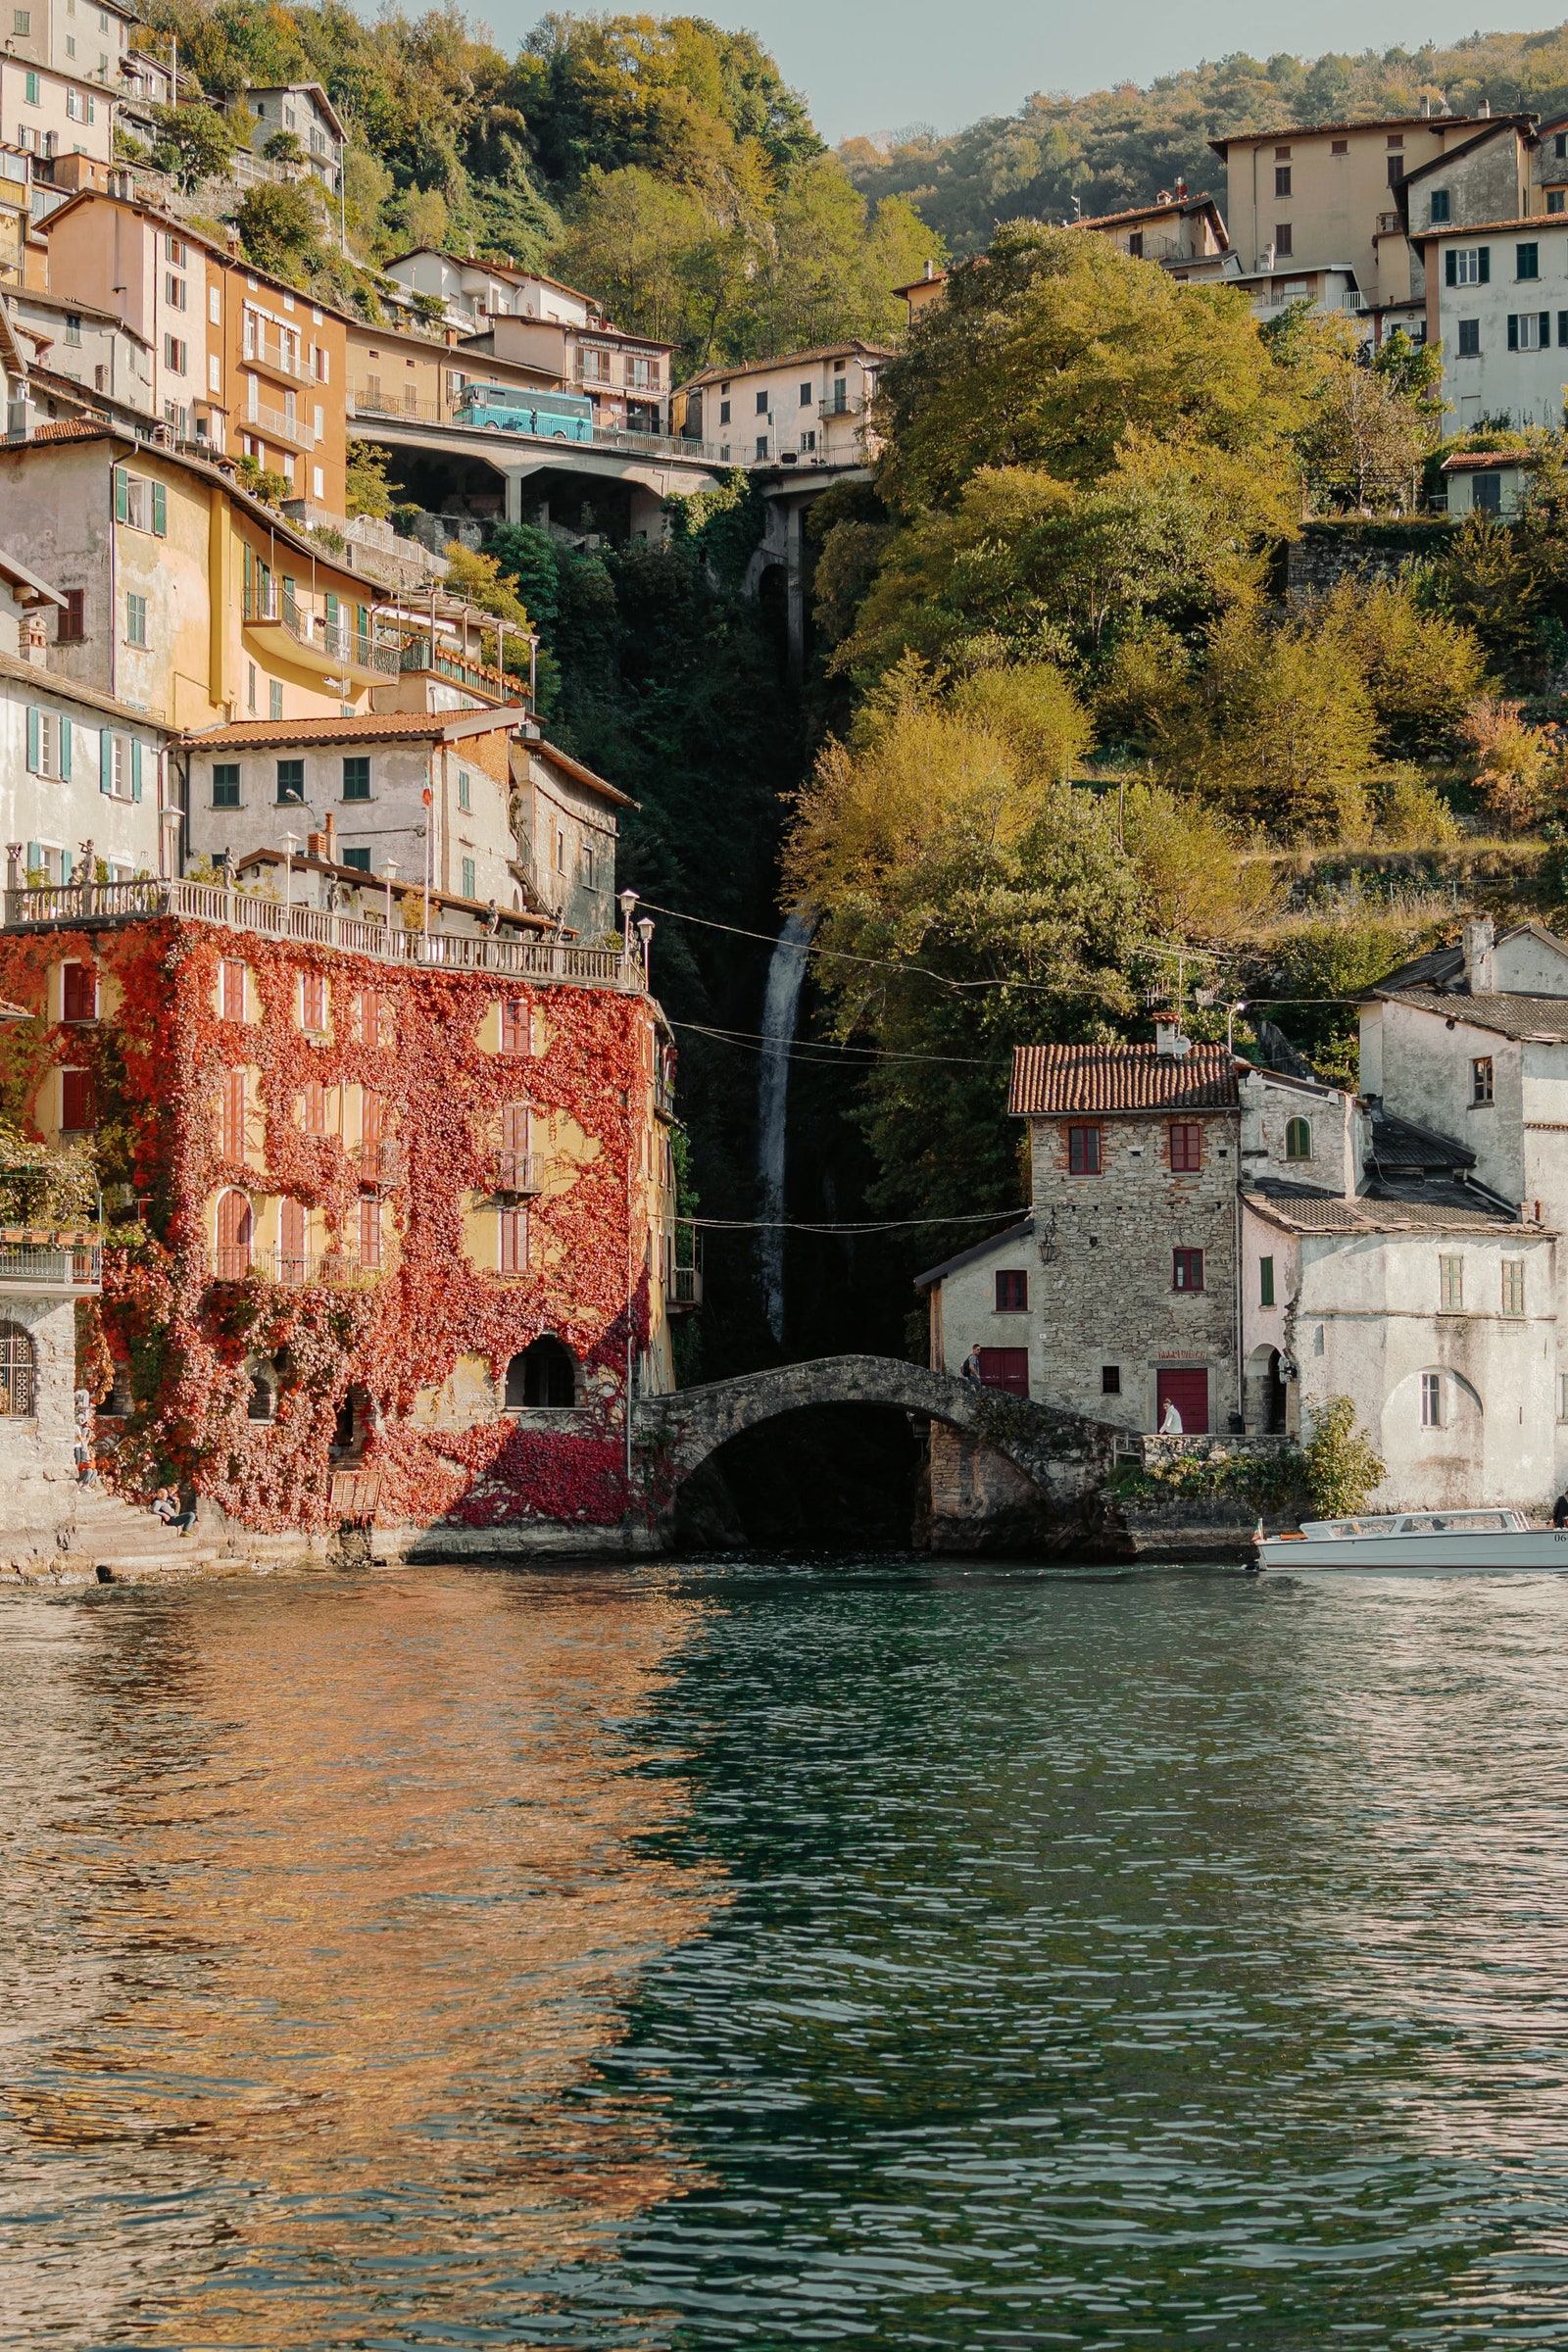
(1418, 1542)
(509, 408)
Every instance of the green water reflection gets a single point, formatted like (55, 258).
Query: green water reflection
(876, 1954)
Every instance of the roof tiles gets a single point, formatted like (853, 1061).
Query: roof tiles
(1059, 1080)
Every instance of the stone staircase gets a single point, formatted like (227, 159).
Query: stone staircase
(112, 1543)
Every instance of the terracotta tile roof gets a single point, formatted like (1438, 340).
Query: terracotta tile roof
(73, 428)
(1057, 1080)
(1361, 1215)
(1545, 1017)
(1487, 461)
(391, 726)
(851, 349)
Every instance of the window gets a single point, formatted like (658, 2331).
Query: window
(469, 888)
(232, 1116)
(1562, 1395)
(175, 290)
(516, 1027)
(723, 412)
(1557, 201)
(173, 355)
(807, 443)
(250, 684)
(585, 865)
(136, 620)
(16, 1372)
(1468, 266)
(1187, 1270)
(77, 1112)
(370, 1017)
(1559, 145)
(1266, 1282)
(1012, 1291)
(1439, 207)
(72, 329)
(313, 1002)
(1110, 1380)
(48, 745)
(143, 504)
(1339, 147)
(1282, 239)
(290, 781)
(313, 1107)
(1529, 331)
(1082, 1150)
(805, 396)
(1298, 1139)
(543, 1375)
(1481, 1079)
(275, 699)
(1135, 242)
(1282, 180)
(762, 404)
(370, 1231)
(78, 991)
(1527, 261)
(1281, 155)
(1486, 493)
(32, 89)
(1450, 1285)
(514, 1239)
(214, 305)
(1470, 337)
(231, 994)
(463, 801)
(1513, 1285)
(1004, 1368)
(225, 784)
(761, 445)
(357, 777)
(1432, 1400)
(356, 858)
(72, 626)
(1186, 1147)
(234, 1230)
(22, 23)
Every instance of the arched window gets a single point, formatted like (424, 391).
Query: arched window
(18, 1372)
(235, 1231)
(261, 1399)
(544, 1374)
(1298, 1139)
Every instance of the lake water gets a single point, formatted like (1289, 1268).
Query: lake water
(879, 1953)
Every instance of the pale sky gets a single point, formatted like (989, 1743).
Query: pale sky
(881, 65)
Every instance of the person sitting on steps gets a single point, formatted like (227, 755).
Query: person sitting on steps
(166, 1507)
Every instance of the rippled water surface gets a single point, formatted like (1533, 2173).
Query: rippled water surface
(876, 1953)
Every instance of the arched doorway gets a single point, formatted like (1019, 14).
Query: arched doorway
(545, 1374)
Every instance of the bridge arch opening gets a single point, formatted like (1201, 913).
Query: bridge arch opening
(819, 1477)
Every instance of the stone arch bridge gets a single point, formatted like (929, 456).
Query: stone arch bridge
(1066, 1457)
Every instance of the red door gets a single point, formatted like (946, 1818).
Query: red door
(1188, 1391)
(1006, 1368)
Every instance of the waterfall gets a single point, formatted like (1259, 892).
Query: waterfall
(780, 1007)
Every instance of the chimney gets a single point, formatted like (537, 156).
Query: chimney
(329, 840)
(1484, 110)
(1169, 1043)
(315, 844)
(35, 641)
(930, 267)
(1477, 941)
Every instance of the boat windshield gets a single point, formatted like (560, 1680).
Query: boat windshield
(1456, 1523)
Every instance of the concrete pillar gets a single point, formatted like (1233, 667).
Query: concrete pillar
(795, 576)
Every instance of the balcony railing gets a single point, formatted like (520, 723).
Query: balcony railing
(540, 962)
(684, 1269)
(275, 426)
(335, 639)
(55, 1267)
(380, 1160)
(368, 400)
(517, 1172)
(291, 358)
(299, 1269)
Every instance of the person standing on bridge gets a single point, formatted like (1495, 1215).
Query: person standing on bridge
(969, 1370)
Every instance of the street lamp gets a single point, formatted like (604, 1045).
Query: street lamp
(389, 870)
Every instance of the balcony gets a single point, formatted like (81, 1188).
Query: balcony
(379, 1161)
(515, 1174)
(368, 400)
(274, 424)
(274, 357)
(683, 1270)
(334, 1269)
(55, 1265)
(292, 632)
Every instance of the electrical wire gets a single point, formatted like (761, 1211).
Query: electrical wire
(892, 1225)
(816, 1050)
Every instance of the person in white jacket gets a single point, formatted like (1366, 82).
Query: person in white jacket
(1172, 1426)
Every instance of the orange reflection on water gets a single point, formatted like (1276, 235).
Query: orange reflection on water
(361, 1895)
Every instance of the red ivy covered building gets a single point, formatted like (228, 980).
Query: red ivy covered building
(379, 1199)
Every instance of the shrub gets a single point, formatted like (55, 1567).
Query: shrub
(1341, 1469)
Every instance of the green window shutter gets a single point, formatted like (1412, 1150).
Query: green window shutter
(106, 761)
(1513, 332)
(135, 767)
(331, 609)
(67, 730)
(1265, 1285)
(160, 510)
(122, 495)
(34, 733)
(1545, 330)
(1485, 259)
(34, 863)
(1451, 268)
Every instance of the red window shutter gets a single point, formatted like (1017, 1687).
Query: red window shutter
(234, 989)
(232, 1139)
(514, 1127)
(514, 1241)
(1012, 1292)
(370, 1117)
(1004, 1368)
(291, 1238)
(1082, 1150)
(369, 1230)
(514, 1026)
(233, 1236)
(78, 1109)
(1186, 1145)
(315, 1107)
(81, 993)
(312, 1001)
(1187, 1270)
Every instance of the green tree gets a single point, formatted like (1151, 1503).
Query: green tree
(279, 229)
(1343, 1471)
(193, 143)
(284, 147)
(365, 489)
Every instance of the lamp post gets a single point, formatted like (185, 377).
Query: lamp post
(626, 900)
(291, 841)
(390, 870)
(645, 932)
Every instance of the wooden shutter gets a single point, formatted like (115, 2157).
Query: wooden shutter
(371, 1116)
(292, 1233)
(34, 740)
(79, 996)
(314, 1107)
(514, 1026)
(514, 1241)
(231, 1125)
(234, 989)
(160, 493)
(77, 1112)
(122, 495)
(370, 1230)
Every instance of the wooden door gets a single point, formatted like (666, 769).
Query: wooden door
(1188, 1390)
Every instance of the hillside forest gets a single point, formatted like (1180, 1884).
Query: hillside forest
(1068, 751)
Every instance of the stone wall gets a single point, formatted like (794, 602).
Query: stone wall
(1327, 552)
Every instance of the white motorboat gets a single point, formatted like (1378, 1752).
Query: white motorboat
(1498, 1543)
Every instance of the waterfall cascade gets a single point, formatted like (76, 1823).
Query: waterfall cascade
(781, 1002)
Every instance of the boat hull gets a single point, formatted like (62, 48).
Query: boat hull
(1511, 1552)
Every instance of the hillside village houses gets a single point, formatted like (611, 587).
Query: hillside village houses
(1225, 1248)
(806, 407)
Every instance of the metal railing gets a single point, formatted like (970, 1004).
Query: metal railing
(683, 1269)
(326, 1268)
(275, 425)
(517, 1172)
(76, 1266)
(367, 401)
(270, 351)
(377, 408)
(378, 1158)
(537, 960)
(336, 639)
